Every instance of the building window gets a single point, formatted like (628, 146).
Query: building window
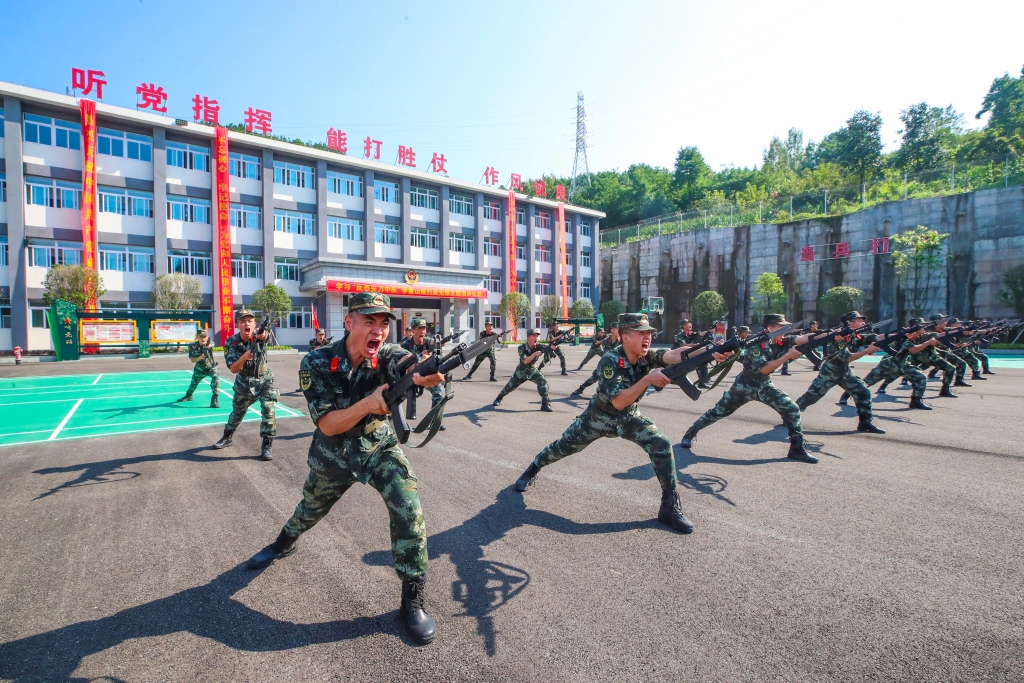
(54, 194)
(301, 318)
(246, 216)
(5, 304)
(492, 246)
(126, 259)
(345, 228)
(493, 284)
(293, 174)
(423, 198)
(188, 156)
(460, 205)
(188, 209)
(1, 135)
(46, 254)
(462, 244)
(542, 219)
(520, 252)
(423, 238)
(246, 266)
(494, 319)
(585, 259)
(188, 262)
(585, 292)
(287, 268)
(4, 253)
(140, 259)
(243, 166)
(542, 287)
(383, 191)
(125, 202)
(113, 260)
(384, 233)
(520, 216)
(294, 222)
(116, 143)
(3, 182)
(542, 253)
(47, 131)
(344, 183)
(521, 287)
(492, 211)
(39, 318)
(585, 228)
(568, 258)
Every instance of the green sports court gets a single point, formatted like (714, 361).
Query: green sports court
(56, 408)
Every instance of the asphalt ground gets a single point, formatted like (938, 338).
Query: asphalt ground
(897, 557)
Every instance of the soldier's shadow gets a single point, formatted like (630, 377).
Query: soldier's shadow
(133, 410)
(207, 611)
(707, 484)
(476, 416)
(484, 585)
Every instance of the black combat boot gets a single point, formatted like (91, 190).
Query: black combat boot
(564, 372)
(785, 373)
(933, 373)
(977, 375)
(671, 514)
(881, 388)
(544, 405)
(688, 438)
(225, 440)
(418, 624)
(266, 453)
(797, 450)
(215, 401)
(987, 371)
(905, 382)
(185, 398)
(865, 426)
(844, 399)
(917, 403)
(493, 378)
(525, 480)
(959, 382)
(282, 547)
(945, 392)
(578, 392)
(468, 377)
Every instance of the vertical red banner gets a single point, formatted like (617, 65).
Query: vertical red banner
(512, 265)
(89, 256)
(564, 261)
(223, 236)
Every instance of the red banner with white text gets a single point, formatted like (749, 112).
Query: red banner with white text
(89, 256)
(564, 264)
(511, 260)
(222, 236)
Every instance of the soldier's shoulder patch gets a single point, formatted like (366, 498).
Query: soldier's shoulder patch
(305, 379)
(608, 372)
(755, 352)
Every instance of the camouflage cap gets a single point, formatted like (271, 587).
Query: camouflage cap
(370, 303)
(682, 323)
(954, 321)
(915, 321)
(742, 328)
(531, 331)
(320, 330)
(244, 313)
(937, 316)
(635, 321)
(774, 319)
(202, 333)
(813, 323)
(417, 322)
(853, 315)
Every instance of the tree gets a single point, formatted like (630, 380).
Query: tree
(769, 294)
(274, 303)
(514, 306)
(857, 146)
(692, 176)
(1005, 103)
(550, 308)
(838, 301)
(917, 257)
(76, 284)
(610, 310)
(929, 137)
(1013, 296)
(177, 292)
(707, 307)
(581, 308)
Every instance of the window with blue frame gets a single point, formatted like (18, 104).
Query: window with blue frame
(191, 157)
(56, 132)
(117, 143)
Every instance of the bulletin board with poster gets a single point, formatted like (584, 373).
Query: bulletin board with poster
(101, 331)
(173, 331)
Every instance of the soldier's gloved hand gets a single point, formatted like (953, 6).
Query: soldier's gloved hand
(429, 381)
(657, 379)
(375, 403)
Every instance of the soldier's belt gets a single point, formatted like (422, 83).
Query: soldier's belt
(367, 428)
(758, 377)
(258, 373)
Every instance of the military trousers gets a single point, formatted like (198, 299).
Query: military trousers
(888, 370)
(746, 389)
(595, 423)
(561, 357)
(983, 359)
(594, 351)
(947, 369)
(198, 374)
(832, 374)
(590, 380)
(480, 359)
(393, 478)
(968, 357)
(525, 375)
(245, 395)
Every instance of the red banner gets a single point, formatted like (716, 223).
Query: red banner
(89, 256)
(433, 291)
(312, 310)
(222, 236)
(560, 217)
(512, 265)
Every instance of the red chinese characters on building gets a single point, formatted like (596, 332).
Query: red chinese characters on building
(490, 176)
(515, 182)
(153, 97)
(205, 109)
(807, 254)
(406, 157)
(85, 80)
(560, 192)
(539, 188)
(842, 250)
(259, 120)
(370, 145)
(437, 163)
(337, 141)
(880, 245)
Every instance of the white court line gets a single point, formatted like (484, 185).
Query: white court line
(65, 420)
(252, 407)
(90, 398)
(72, 387)
(93, 436)
(97, 380)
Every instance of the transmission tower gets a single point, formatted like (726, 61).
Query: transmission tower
(580, 168)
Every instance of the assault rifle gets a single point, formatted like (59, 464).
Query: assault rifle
(462, 354)
(823, 338)
(258, 349)
(887, 340)
(705, 354)
(949, 338)
(433, 346)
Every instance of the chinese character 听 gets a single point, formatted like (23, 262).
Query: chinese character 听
(205, 109)
(84, 80)
(406, 157)
(880, 245)
(368, 146)
(490, 176)
(153, 97)
(560, 192)
(843, 250)
(437, 163)
(258, 119)
(515, 182)
(337, 140)
(807, 254)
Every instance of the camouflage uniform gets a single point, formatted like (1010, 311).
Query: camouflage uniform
(597, 348)
(409, 344)
(526, 373)
(490, 355)
(965, 354)
(250, 388)
(557, 352)
(835, 369)
(931, 357)
(206, 366)
(314, 344)
(892, 367)
(684, 339)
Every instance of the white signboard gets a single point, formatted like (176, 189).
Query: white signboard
(173, 331)
(107, 331)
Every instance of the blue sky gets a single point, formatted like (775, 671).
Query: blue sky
(494, 84)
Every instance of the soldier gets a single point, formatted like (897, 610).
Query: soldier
(754, 383)
(611, 344)
(490, 355)
(891, 367)
(417, 343)
(355, 442)
(742, 332)
(251, 383)
(959, 366)
(625, 375)
(815, 359)
(931, 357)
(319, 340)
(965, 353)
(835, 369)
(686, 337)
(530, 355)
(596, 348)
(553, 334)
(200, 352)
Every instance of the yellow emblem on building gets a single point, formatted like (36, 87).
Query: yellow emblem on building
(412, 277)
